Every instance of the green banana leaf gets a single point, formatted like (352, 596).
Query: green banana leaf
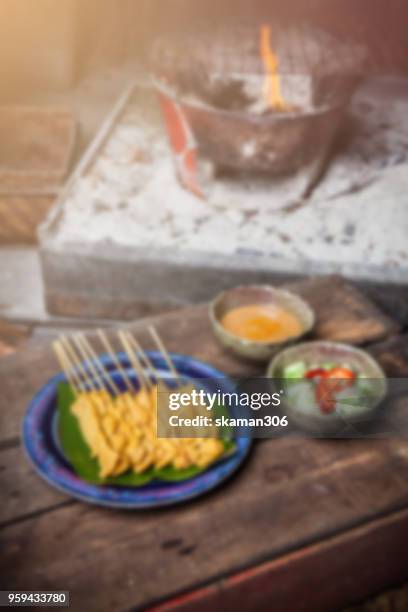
(78, 454)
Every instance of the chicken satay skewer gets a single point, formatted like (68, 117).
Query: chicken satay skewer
(94, 383)
(166, 356)
(94, 401)
(90, 390)
(146, 387)
(135, 344)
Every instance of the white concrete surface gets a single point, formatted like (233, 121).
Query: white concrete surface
(21, 289)
(21, 293)
(131, 198)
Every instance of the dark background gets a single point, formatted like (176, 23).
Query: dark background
(53, 44)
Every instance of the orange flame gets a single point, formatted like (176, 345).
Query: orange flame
(272, 84)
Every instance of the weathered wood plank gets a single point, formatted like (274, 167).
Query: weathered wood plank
(392, 299)
(12, 336)
(22, 491)
(393, 355)
(344, 313)
(283, 500)
(327, 576)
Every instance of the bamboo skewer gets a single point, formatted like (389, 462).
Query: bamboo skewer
(93, 356)
(164, 352)
(67, 369)
(73, 357)
(136, 346)
(144, 380)
(95, 363)
(62, 352)
(96, 384)
(105, 341)
(85, 370)
(96, 376)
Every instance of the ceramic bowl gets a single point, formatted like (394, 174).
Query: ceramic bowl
(257, 294)
(311, 419)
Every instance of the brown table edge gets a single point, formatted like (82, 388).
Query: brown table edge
(335, 572)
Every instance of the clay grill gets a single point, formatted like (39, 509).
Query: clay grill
(211, 85)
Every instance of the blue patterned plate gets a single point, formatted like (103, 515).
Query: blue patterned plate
(40, 438)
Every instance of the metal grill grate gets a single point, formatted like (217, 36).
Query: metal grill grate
(233, 48)
(235, 51)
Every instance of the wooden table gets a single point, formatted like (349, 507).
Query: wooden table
(305, 524)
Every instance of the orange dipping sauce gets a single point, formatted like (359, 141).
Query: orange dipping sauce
(262, 323)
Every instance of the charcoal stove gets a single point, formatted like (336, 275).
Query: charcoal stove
(215, 91)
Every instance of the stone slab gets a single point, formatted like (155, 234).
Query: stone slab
(125, 240)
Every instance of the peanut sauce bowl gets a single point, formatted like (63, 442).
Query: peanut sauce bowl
(250, 295)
